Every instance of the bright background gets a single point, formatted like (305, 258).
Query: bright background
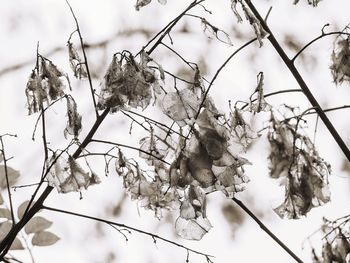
(234, 237)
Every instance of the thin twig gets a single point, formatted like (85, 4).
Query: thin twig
(127, 227)
(85, 59)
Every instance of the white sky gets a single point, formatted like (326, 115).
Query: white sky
(24, 23)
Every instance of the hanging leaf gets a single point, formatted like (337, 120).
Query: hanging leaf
(68, 176)
(75, 62)
(314, 3)
(259, 104)
(44, 238)
(213, 31)
(192, 229)
(12, 175)
(340, 67)
(17, 244)
(235, 11)
(37, 224)
(305, 174)
(22, 208)
(127, 84)
(5, 213)
(74, 119)
(181, 106)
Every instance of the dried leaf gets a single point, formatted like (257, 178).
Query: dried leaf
(235, 11)
(141, 3)
(340, 67)
(181, 106)
(12, 175)
(74, 118)
(259, 104)
(192, 229)
(68, 176)
(213, 31)
(75, 62)
(44, 238)
(314, 3)
(37, 224)
(5, 213)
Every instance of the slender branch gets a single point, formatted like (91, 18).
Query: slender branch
(316, 39)
(289, 63)
(127, 227)
(166, 30)
(218, 72)
(129, 147)
(85, 59)
(7, 179)
(266, 230)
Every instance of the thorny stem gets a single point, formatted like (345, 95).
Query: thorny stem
(7, 179)
(290, 64)
(85, 59)
(127, 227)
(266, 229)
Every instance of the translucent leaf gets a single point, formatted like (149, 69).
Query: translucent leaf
(215, 32)
(37, 224)
(181, 105)
(74, 118)
(127, 84)
(68, 176)
(17, 244)
(234, 9)
(75, 62)
(192, 229)
(259, 104)
(5, 213)
(22, 208)
(44, 238)
(12, 174)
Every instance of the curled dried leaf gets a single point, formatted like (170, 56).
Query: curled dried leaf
(75, 62)
(340, 67)
(74, 118)
(213, 31)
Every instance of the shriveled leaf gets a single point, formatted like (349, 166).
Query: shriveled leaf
(340, 67)
(37, 224)
(192, 229)
(44, 238)
(22, 208)
(259, 104)
(5, 213)
(17, 244)
(314, 3)
(213, 31)
(12, 175)
(68, 176)
(141, 3)
(75, 62)
(74, 118)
